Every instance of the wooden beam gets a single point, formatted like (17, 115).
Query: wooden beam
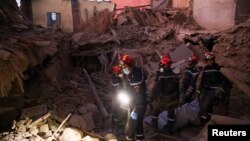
(98, 99)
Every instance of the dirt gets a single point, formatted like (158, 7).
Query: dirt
(232, 51)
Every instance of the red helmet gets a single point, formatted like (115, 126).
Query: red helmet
(209, 56)
(165, 61)
(117, 69)
(193, 59)
(165, 56)
(124, 58)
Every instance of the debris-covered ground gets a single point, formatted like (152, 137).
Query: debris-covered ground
(64, 80)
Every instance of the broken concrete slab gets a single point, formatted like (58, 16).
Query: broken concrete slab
(180, 53)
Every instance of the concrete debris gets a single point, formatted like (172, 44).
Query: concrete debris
(47, 131)
(70, 134)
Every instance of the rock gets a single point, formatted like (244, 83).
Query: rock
(82, 110)
(79, 122)
(45, 129)
(71, 134)
(110, 137)
(90, 122)
(88, 138)
(92, 108)
(20, 126)
(53, 128)
(34, 130)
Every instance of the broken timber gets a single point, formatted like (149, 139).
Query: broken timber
(61, 125)
(98, 100)
(40, 119)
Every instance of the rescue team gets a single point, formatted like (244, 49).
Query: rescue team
(170, 91)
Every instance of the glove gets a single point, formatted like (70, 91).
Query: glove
(197, 93)
(189, 91)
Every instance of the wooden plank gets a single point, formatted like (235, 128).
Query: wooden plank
(40, 119)
(34, 111)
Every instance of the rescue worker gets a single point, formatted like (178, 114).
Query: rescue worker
(136, 82)
(117, 83)
(165, 94)
(212, 88)
(117, 76)
(188, 80)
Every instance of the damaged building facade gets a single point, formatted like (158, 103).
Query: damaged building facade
(68, 14)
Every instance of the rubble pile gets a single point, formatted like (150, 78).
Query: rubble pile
(233, 52)
(134, 26)
(45, 128)
(34, 64)
(24, 46)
